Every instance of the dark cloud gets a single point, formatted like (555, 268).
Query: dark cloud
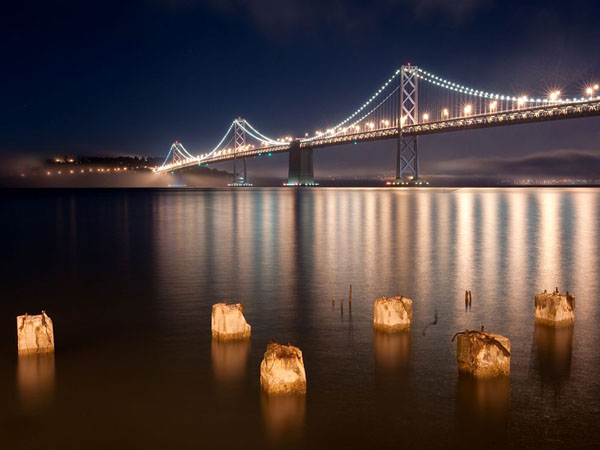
(458, 9)
(283, 16)
(564, 163)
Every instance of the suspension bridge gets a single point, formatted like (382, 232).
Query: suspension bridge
(411, 103)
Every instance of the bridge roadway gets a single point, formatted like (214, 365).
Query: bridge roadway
(525, 115)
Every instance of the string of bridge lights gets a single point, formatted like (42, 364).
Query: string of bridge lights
(265, 139)
(187, 154)
(220, 142)
(374, 109)
(553, 97)
(332, 131)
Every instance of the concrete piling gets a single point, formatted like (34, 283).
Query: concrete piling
(282, 370)
(392, 314)
(555, 309)
(482, 354)
(35, 334)
(228, 322)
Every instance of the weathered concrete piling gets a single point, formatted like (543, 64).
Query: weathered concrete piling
(228, 322)
(35, 334)
(282, 370)
(555, 309)
(392, 314)
(482, 354)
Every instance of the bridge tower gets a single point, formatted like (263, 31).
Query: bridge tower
(407, 162)
(300, 171)
(240, 176)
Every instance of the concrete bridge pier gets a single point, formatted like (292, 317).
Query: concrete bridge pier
(301, 166)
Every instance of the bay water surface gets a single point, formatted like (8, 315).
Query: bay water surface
(129, 276)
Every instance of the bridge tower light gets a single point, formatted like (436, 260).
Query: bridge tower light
(493, 106)
(468, 110)
(425, 117)
(445, 113)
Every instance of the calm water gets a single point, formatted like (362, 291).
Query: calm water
(129, 278)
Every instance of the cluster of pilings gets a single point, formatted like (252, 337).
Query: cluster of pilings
(479, 353)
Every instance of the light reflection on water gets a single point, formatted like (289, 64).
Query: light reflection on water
(35, 381)
(129, 278)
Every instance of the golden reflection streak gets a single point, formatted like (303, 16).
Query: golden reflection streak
(384, 219)
(368, 241)
(554, 348)
(287, 251)
(283, 415)
(248, 236)
(489, 242)
(465, 251)
(35, 381)
(549, 274)
(422, 256)
(518, 250)
(392, 352)
(403, 257)
(443, 230)
(585, 251)
(229, 360)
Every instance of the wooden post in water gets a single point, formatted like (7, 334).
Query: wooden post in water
(350, 300)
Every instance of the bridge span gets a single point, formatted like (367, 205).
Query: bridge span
(420, 103)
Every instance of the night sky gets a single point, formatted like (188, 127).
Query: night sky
(129, 77)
